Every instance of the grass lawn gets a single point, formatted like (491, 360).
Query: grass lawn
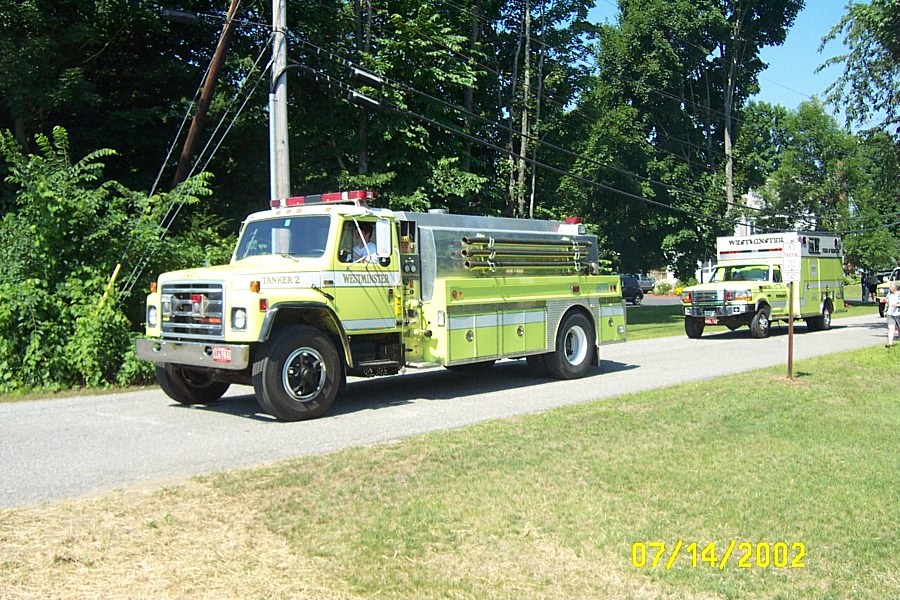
(555, 505)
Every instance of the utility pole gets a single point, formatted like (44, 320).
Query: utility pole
(209, 86)
(279, 161)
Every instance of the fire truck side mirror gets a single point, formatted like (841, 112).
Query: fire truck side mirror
(383, 240)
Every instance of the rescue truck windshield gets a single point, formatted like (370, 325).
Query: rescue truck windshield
(292, 236)
(744, 273)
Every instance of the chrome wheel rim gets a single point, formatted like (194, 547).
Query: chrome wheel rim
(304, 374)
(576, 345)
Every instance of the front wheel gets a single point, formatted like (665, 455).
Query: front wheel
(760, 325)
(574, 348)
(693, 327)
(189, 386)
(637, 298)
(298, 375)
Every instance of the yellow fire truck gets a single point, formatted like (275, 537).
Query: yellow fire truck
(748, 288)
(305, 302)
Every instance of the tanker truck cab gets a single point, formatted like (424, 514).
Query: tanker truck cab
(322, 288)
(748, 285)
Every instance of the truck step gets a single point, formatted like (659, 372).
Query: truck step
(422, 365)
(371, 368)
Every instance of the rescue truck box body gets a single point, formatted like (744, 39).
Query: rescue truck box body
(295, 313)
(748, 287)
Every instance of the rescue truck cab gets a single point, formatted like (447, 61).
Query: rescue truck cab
(320, 288)
(748, 287)
(883, 288)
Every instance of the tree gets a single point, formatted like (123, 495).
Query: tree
(869, 87)
(751, 25)
(817, 171)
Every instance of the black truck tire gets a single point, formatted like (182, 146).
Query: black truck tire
(189, 386)
(693, 327)
(298, 375)
(760, 325)
(575, 346)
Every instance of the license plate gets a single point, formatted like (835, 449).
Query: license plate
(709, 313)
(712, 320)
(221, 354)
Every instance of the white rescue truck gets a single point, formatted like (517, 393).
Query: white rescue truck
(304, 303)
(748, 284)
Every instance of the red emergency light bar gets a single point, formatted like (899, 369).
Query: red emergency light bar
(357, 197)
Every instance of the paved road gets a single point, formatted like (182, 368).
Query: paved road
(71, 447)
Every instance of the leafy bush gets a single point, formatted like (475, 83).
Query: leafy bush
(61, 323)
(662, 287)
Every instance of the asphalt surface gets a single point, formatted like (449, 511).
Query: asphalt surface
(63, 448)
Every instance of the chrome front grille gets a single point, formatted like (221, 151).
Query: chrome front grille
(708, 297)
(193, 310)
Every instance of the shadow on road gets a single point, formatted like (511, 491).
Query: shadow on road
(778, 330)
(434, 385)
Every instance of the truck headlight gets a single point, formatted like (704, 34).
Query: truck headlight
(152, 316)
(239, 319)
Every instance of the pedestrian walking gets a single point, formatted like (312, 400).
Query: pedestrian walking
(892, 312)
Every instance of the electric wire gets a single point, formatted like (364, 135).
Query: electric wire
(341, 86)
(761, 211)
(532, 138)
(179, 196)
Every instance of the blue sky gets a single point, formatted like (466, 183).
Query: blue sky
(790, 78)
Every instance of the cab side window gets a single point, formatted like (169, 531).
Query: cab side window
(357, 242)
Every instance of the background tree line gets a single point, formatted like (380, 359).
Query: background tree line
(520, 108)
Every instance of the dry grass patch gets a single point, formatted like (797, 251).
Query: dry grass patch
(183, 542)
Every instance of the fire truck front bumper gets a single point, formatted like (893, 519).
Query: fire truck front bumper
(730, 310)
(233, 357)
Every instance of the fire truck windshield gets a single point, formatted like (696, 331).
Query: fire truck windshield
(292, 236)
(741, 273)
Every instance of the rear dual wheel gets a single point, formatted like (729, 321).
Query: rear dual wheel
(575, 346)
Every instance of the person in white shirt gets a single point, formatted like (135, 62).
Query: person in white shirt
(892, 312)
(364, 249)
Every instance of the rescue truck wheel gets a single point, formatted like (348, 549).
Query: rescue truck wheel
(826, 318)
(822, 322)
(693, 327)
(298, 375)
(574, 348)
(760, 325)
(189, 386)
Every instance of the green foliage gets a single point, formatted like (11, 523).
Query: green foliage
(60, 322)
(870, 84)
(662, 288)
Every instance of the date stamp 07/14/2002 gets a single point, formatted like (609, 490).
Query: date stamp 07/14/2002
(743, 555)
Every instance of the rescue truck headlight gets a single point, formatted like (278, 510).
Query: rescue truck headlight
(152, 316)
(686, 297)
(239, 319)
(739, 296)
